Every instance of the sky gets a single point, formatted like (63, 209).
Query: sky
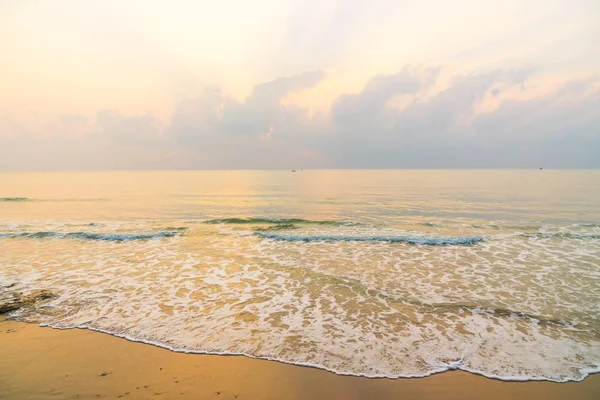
(110, 85)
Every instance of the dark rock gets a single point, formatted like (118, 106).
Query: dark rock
(11, 301)
(8, 307)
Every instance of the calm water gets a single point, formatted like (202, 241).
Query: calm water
(374, 273)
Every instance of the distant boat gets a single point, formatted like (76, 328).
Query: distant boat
(293, 170)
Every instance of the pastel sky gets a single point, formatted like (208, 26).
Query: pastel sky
(87, 85)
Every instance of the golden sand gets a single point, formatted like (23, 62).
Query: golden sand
(43, 363)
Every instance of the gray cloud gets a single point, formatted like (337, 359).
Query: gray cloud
(444, 111)
(445, 130)
(368, 109)
(214, 115)
(363, 131)
(260, 112)
(560, 129)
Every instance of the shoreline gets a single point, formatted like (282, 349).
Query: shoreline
(306, 365)
(43, 362)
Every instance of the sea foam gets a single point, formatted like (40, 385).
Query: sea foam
(348, 299)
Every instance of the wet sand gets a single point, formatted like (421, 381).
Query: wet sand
(43, 363)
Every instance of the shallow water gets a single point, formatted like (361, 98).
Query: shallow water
(374, 273)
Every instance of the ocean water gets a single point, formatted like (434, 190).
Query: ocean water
(399, 273)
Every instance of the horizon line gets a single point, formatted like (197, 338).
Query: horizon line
(309, 169)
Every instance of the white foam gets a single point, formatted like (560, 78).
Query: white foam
(516, 308)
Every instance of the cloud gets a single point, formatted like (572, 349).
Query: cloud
(263, 110)
(444, 112)
(560, 129)
(111, 140)
(259, 132)
(443, 129)
(214, 114)
(73, 119)
(369, 108)
(136, 130)
(433, 128)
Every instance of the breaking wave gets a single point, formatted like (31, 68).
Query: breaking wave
(258, 221)
(110, 237)
(52, 200)
(560, 235)
(431, 241)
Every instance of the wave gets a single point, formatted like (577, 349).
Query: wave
(588, 225)
(431, 224)
(420, 240)
(257, 221)
(110, 237)
(278, 227)
(560, 235)
(23, 199)
(176, 228)
(502, 227)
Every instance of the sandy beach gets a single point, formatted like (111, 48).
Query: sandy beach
(44, 363)
(300, 200)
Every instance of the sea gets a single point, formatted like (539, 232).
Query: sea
(374, 273)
